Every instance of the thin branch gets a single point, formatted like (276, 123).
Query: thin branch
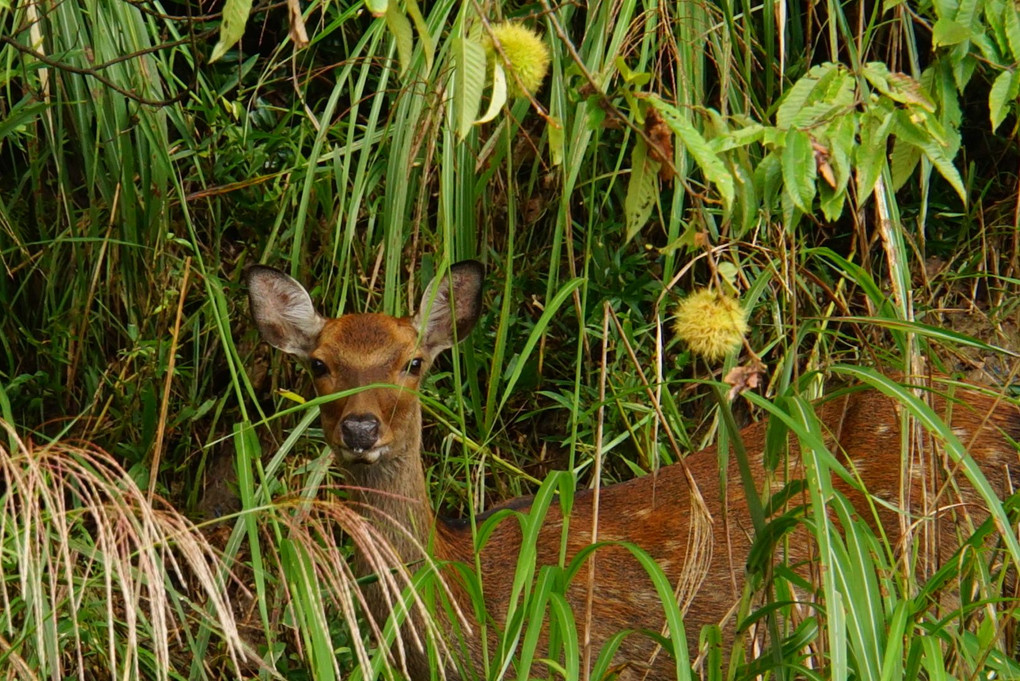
(94, 73)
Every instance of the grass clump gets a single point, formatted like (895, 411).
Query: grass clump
(99, 577)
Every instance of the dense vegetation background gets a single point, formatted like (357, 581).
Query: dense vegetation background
(849, 170)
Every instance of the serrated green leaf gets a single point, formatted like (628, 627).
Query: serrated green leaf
(799, 170)
(842, 134)
(741, 137)
(967, 12)
(810, 115)
(938, 80)
(428, 47)
(837, 86)
(877, 73)
(801, 93)
(769, 176)
(773, 138)
(793, 101)
(987, 45)
(902, 162)
(906, 90)
(898, 87)
(1003, 93)
(377, 7)
(235, 16)
(947, 139)
(498, 94)
(871, 153)
(469, 82)
(642, 190)
(711, 165)
(746, 202)
(908, 131)
(949, 32)
(831, 202)
(963, 64)
(403, 34)
(791, 214)
(835, 97)
(1011, 27)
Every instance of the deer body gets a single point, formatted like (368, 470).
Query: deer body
(377, 434)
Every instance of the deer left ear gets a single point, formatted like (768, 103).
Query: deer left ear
(283, 311)
(450, 307)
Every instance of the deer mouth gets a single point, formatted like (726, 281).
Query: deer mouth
(365, 456)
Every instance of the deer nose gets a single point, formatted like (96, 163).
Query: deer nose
(359, 431)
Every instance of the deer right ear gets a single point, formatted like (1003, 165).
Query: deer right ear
(283, 311)
(450, 307)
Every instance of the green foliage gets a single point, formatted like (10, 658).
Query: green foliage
(143, 165)
(235, 16)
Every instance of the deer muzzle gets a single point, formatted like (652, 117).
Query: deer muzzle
(359, 433)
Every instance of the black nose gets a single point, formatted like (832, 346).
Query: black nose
(359, 431)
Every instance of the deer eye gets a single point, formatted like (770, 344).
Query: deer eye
(318, 367)
(414, 367)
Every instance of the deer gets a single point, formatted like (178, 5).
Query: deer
(375, 432)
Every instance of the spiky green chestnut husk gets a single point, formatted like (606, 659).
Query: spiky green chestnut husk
(526, 55)
(712, 324)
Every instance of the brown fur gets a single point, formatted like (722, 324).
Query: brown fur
(655, 511)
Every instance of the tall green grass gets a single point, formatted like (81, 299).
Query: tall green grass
(819, 166)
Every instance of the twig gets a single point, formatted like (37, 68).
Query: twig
(94, 73)
(157, 452)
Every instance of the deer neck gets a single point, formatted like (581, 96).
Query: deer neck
(391, 494)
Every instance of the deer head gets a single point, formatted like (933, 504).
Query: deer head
(383, 356)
